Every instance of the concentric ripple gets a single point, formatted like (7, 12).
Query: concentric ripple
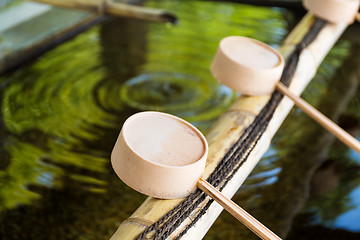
(181, 94)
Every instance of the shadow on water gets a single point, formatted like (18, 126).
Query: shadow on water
(61, 114)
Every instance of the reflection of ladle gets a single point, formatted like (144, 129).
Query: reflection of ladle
(254, 68)
(163, 156)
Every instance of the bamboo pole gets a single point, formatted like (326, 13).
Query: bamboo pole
(115, 9)
(230, 126)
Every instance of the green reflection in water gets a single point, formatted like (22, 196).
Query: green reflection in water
(7, 4)
(61, 114)
(47, 110)
(176, 76)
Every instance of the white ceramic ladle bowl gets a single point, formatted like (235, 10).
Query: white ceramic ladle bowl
(164, 156)
(251, 67)
(334, 11)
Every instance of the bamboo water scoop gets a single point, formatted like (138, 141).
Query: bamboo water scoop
(163, 156)
(251, 67)
(334, 11)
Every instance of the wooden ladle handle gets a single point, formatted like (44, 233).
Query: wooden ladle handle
(239, 213)
(320, 118)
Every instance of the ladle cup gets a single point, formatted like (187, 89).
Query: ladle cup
(252, 67)
(334, 11)
(163, 156)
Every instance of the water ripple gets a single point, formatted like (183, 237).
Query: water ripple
(186, 95)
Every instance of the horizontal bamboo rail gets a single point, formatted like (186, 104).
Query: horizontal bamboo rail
(231, 125)
(115, 9)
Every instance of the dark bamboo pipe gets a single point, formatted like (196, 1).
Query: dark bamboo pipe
(115, 9)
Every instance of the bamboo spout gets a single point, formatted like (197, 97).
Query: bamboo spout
(115, 9)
